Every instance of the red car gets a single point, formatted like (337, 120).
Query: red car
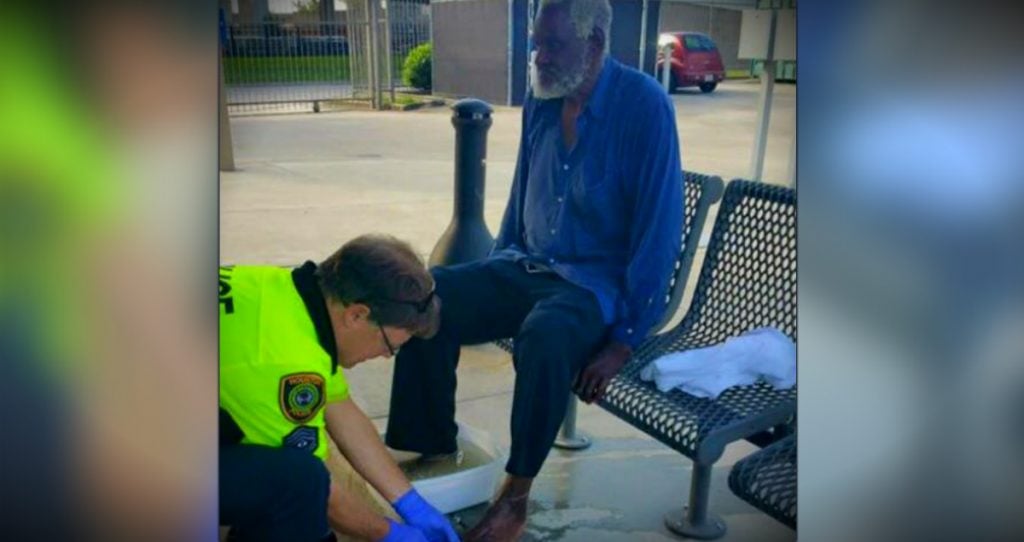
(695, 61)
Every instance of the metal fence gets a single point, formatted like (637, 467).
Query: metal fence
(409, 27)
(307, 66)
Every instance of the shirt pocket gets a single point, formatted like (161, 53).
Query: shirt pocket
(593, 183)
(597, 209)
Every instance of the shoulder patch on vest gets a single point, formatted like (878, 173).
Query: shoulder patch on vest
(302, 438)
(301, 396)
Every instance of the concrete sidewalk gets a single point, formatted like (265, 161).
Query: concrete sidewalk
(308, 182)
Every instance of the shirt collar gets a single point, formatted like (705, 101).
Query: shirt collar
(308, 287)
(597, 105)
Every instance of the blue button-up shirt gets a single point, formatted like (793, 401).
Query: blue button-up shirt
(607, 215)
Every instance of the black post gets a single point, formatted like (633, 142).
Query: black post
(467, 237)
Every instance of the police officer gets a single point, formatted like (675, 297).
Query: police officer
(283, 335)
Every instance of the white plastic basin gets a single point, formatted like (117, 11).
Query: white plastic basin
(469, 487)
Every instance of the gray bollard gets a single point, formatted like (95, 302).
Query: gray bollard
(467, 237)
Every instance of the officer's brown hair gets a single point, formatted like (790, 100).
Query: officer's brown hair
(385, 274)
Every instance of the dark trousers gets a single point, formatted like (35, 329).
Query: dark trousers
(557, 327)
(271, 494)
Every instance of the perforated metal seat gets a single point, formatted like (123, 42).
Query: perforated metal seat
(767, 480)
(748, 280)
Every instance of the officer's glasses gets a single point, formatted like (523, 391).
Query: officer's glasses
(387, 342)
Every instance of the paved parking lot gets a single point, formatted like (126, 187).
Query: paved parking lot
(307, 182)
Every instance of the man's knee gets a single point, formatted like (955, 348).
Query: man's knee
(537, 340)
(555, 348)
(452, 283)
(563, 335)
(448, 277)
(547, 353)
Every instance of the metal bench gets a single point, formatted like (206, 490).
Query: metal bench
(700, 192)
(767, 480)
(748, 280)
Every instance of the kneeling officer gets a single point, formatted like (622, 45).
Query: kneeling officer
(283, 335)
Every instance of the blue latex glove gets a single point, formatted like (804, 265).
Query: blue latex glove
(418, 513)
(403, 533)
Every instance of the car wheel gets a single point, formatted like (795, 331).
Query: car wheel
(707, 87)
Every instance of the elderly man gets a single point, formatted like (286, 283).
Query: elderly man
(284, 333)
(585, 252)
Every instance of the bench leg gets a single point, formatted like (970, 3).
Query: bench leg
(568, 438)
(693, 521)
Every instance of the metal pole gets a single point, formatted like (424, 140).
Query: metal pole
(368, 52)
(365, 37)
(260, 10)
(666, 67)
(694, 521)
(374, 54)
(568, 438)
(764, 109)
(388, 51)
(227, 152)
(791, 174)
(326, 11)
(700, 486)
(326, 30)
(433, 48)
(509, 51)
(643, 36)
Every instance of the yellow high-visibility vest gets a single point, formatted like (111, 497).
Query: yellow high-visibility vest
(275, 374)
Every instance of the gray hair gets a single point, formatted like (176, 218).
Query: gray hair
(586, 15)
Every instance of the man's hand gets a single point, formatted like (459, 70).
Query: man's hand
(593, 380)
(418, 513)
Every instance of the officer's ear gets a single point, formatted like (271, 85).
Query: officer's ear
(355, 315)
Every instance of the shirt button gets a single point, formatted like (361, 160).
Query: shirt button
(551, 260)
(565, 167)
(552, 231)
(629, 331)
(560, 199)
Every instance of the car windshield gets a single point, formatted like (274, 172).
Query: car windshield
(697, 43)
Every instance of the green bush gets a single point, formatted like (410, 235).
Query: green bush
(416, 70)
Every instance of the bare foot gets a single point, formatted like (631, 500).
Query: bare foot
(505, 520)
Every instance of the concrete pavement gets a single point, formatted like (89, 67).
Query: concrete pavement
(308, 182)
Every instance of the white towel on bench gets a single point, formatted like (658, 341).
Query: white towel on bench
(763, 353)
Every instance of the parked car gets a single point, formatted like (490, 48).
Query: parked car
(695, 61)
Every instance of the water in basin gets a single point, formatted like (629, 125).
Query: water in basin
(472, 456)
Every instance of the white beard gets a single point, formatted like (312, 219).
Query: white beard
(563, 85)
